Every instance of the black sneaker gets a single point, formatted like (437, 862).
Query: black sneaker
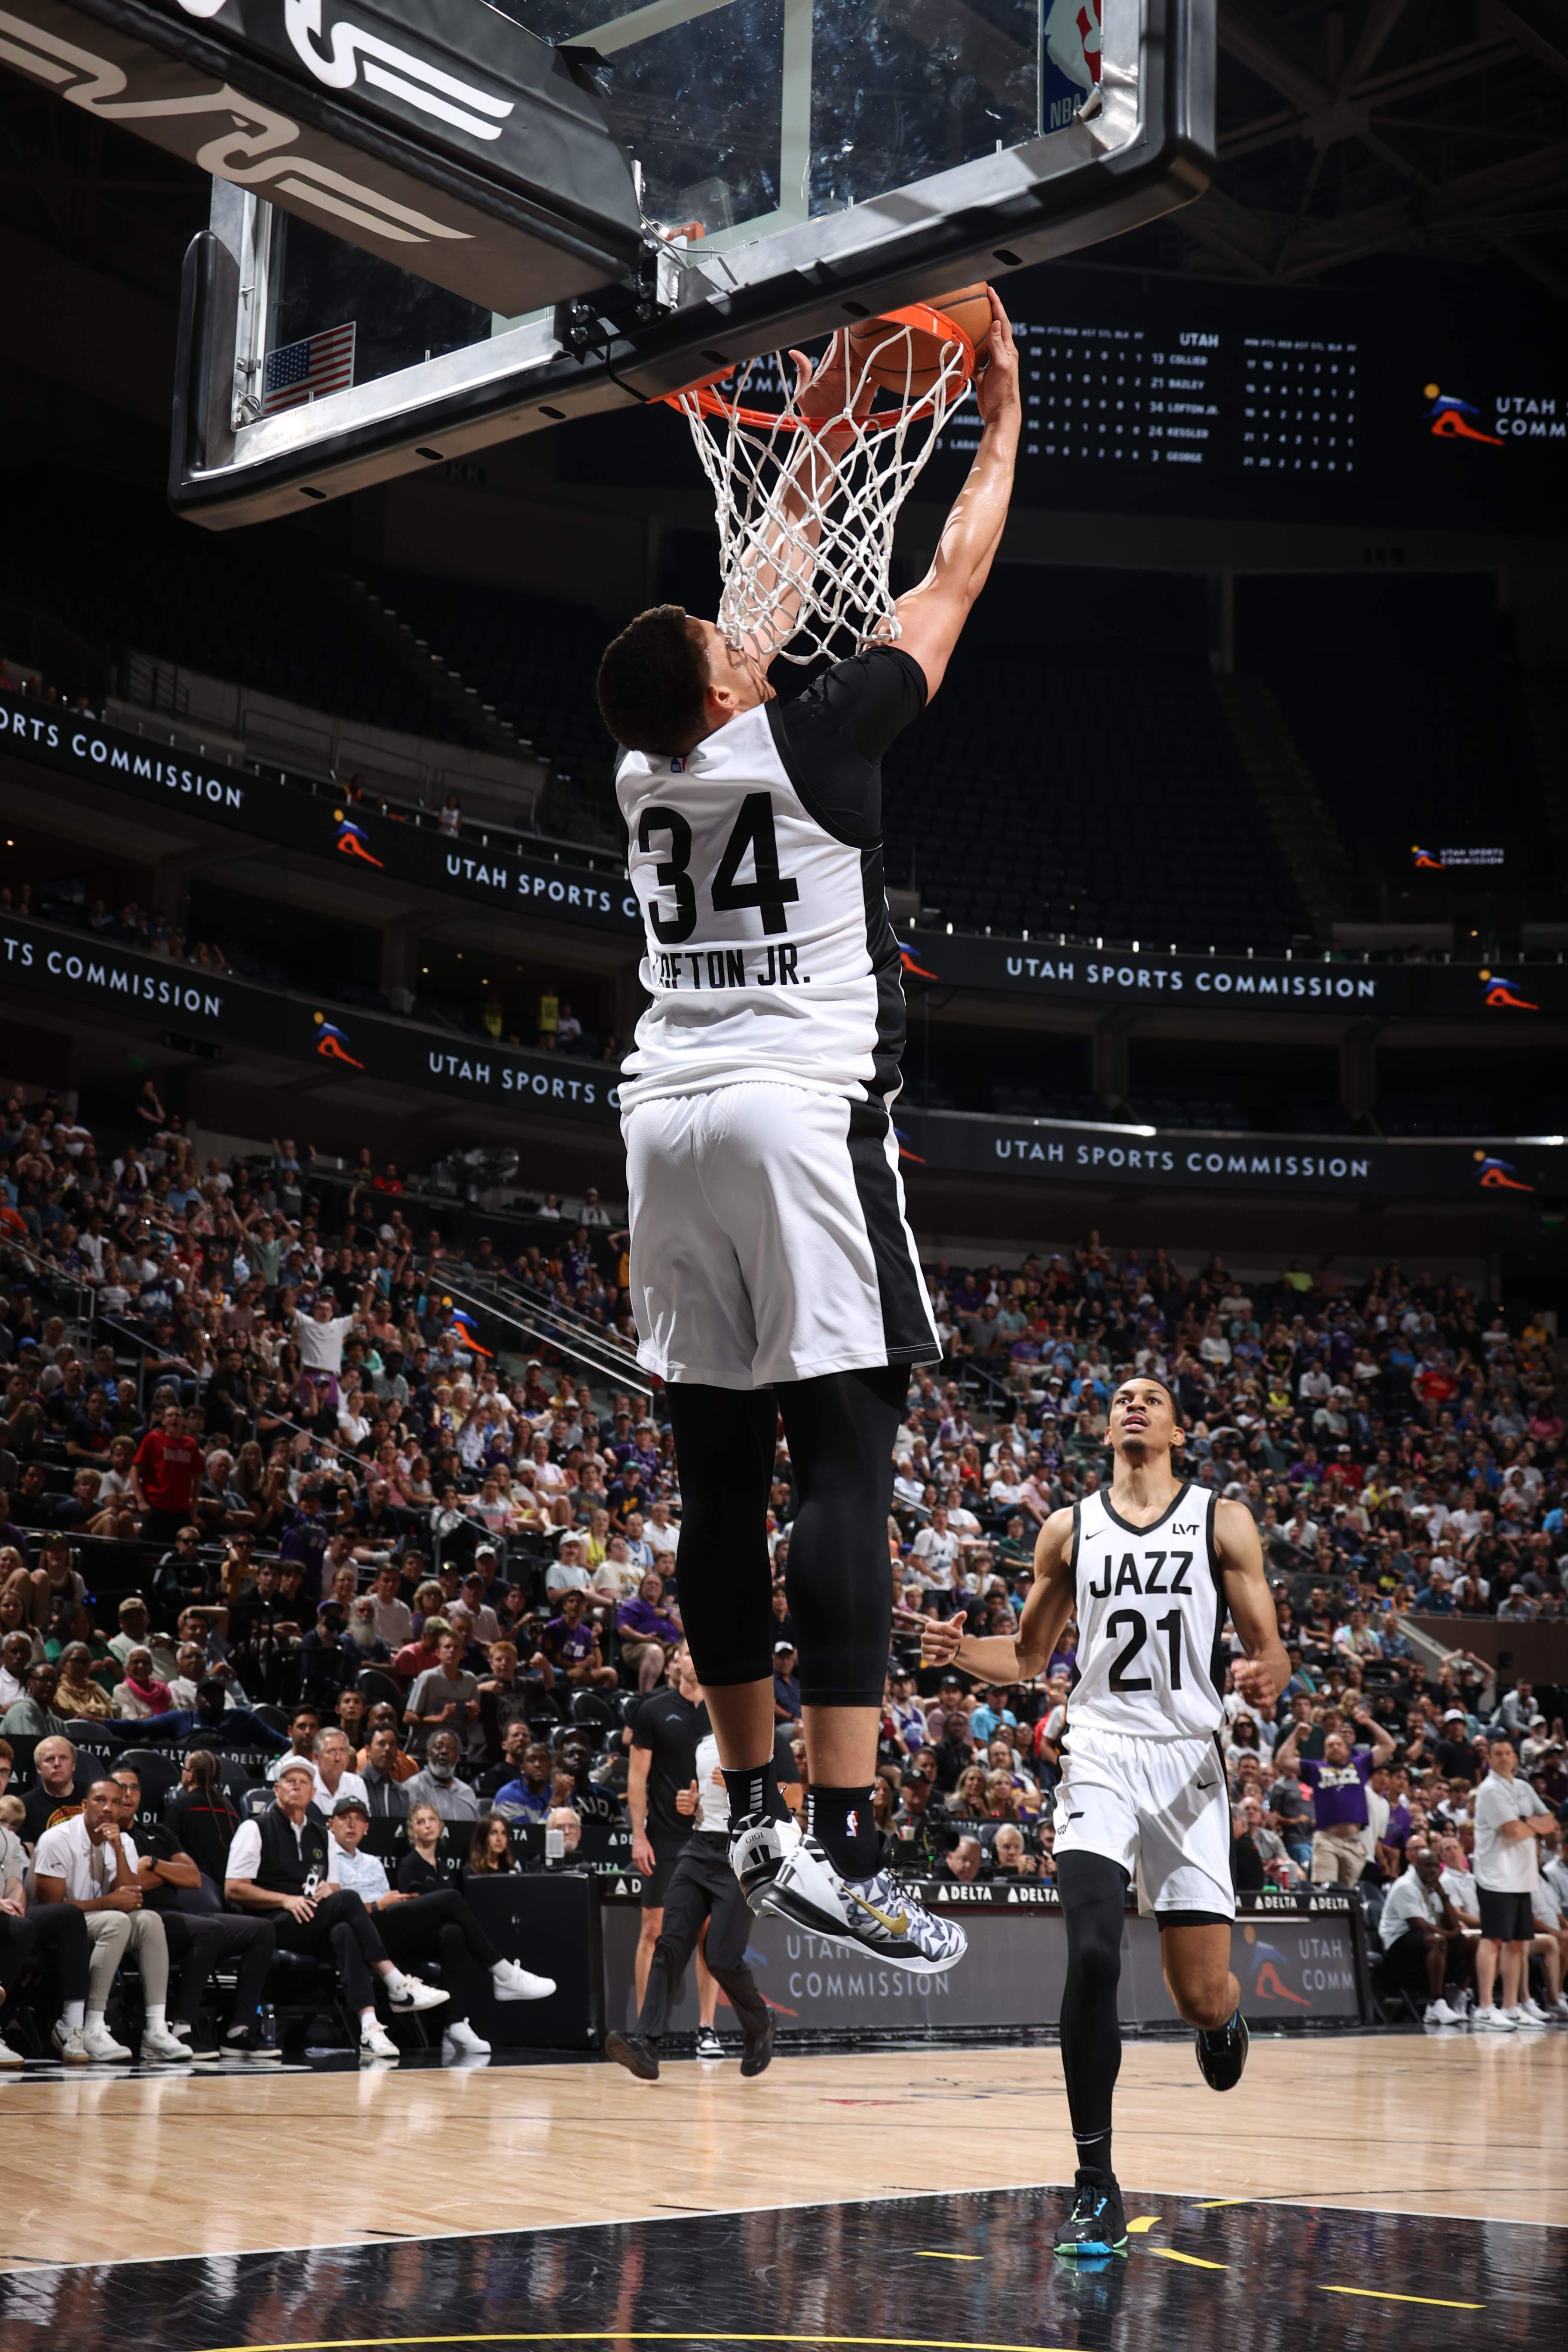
(757, 2056)
(251, 2047)
(634, 2054)
(1096, 2225)
(200, 2041)
(1222, 2054)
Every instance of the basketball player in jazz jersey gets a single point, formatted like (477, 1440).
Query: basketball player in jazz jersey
(1150, 1571)
(773, 1271)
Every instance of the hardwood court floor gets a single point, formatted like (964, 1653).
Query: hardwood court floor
(109, 2168)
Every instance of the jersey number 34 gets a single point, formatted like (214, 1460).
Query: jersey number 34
(771, 892)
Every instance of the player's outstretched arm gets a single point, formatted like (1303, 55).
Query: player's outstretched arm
(932, 614)
(993, 1657)
(783, 558)
(1264, 1670)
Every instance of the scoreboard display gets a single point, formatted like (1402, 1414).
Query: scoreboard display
(1186, 397)
(1160, 397)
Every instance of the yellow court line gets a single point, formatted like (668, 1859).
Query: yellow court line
(925, 2255)
(1169, 2254)
(635, 2335)
(1213, 2204)
(1381, 2295)
(1143, 2221)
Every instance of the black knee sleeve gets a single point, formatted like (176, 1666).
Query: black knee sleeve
(841, 1428)
(1093, 1891)
(724, 1445)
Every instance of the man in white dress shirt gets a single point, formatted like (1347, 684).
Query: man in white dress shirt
(438, 1925)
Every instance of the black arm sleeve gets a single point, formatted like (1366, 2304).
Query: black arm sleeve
(832, 738)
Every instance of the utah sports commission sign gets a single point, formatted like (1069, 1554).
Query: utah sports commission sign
(1064, 1151)
(318, 823)
(70, 967)
(316, 820)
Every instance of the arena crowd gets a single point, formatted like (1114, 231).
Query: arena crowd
(276, 1517)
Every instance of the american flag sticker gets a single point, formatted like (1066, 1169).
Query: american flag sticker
(309, 370)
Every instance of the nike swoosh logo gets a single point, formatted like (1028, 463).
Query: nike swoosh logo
(898, 1927)
(1205, 1786)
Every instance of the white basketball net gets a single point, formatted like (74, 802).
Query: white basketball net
(806, 508)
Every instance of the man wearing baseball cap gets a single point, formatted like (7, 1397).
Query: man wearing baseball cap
(282, 1864)
(1456, 1752)
(439, 1925)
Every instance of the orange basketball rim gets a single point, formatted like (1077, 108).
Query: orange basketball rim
(920, 318)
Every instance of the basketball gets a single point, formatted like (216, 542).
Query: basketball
(915, 367)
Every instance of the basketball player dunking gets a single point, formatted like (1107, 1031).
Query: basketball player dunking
(1149, 1571)
(773, 1271)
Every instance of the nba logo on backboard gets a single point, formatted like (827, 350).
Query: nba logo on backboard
(1071, 60)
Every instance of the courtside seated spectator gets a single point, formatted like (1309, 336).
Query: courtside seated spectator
(90, 1862)
(55, 1933)
(198, 1941)
(200, 1816)
(436, 1925)
(281, 1863)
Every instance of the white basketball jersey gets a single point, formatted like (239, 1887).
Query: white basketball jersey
(770, 953)
(1151, 1605)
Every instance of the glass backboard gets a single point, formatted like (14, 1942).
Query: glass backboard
(797, 162)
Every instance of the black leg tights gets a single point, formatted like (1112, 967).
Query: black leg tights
(841, 1429)
(724, 1445)
(1093, 1890)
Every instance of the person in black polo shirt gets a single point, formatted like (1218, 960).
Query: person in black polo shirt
(665, 1732)
(702, 1887)
(283, 1863)
(704, 1890)
(198, 1941)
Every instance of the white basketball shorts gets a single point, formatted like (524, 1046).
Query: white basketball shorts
(769, 1240)
(1158, 1807)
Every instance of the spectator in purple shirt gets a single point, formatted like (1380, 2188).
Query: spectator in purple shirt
(570, 1649)
(306, 1538)
(650, 1634)
(1339, 1797)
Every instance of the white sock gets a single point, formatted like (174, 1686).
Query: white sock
(366, 2024)
(72, 2015)
(95, 2018)
(394, 1981)
(500, 1970)
(152, 2016)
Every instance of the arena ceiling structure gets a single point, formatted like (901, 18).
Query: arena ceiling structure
(1405, 129)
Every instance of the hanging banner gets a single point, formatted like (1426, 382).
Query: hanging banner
(189, 1003)
(1062, 1151)
(1503, 996)
(318, 820)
